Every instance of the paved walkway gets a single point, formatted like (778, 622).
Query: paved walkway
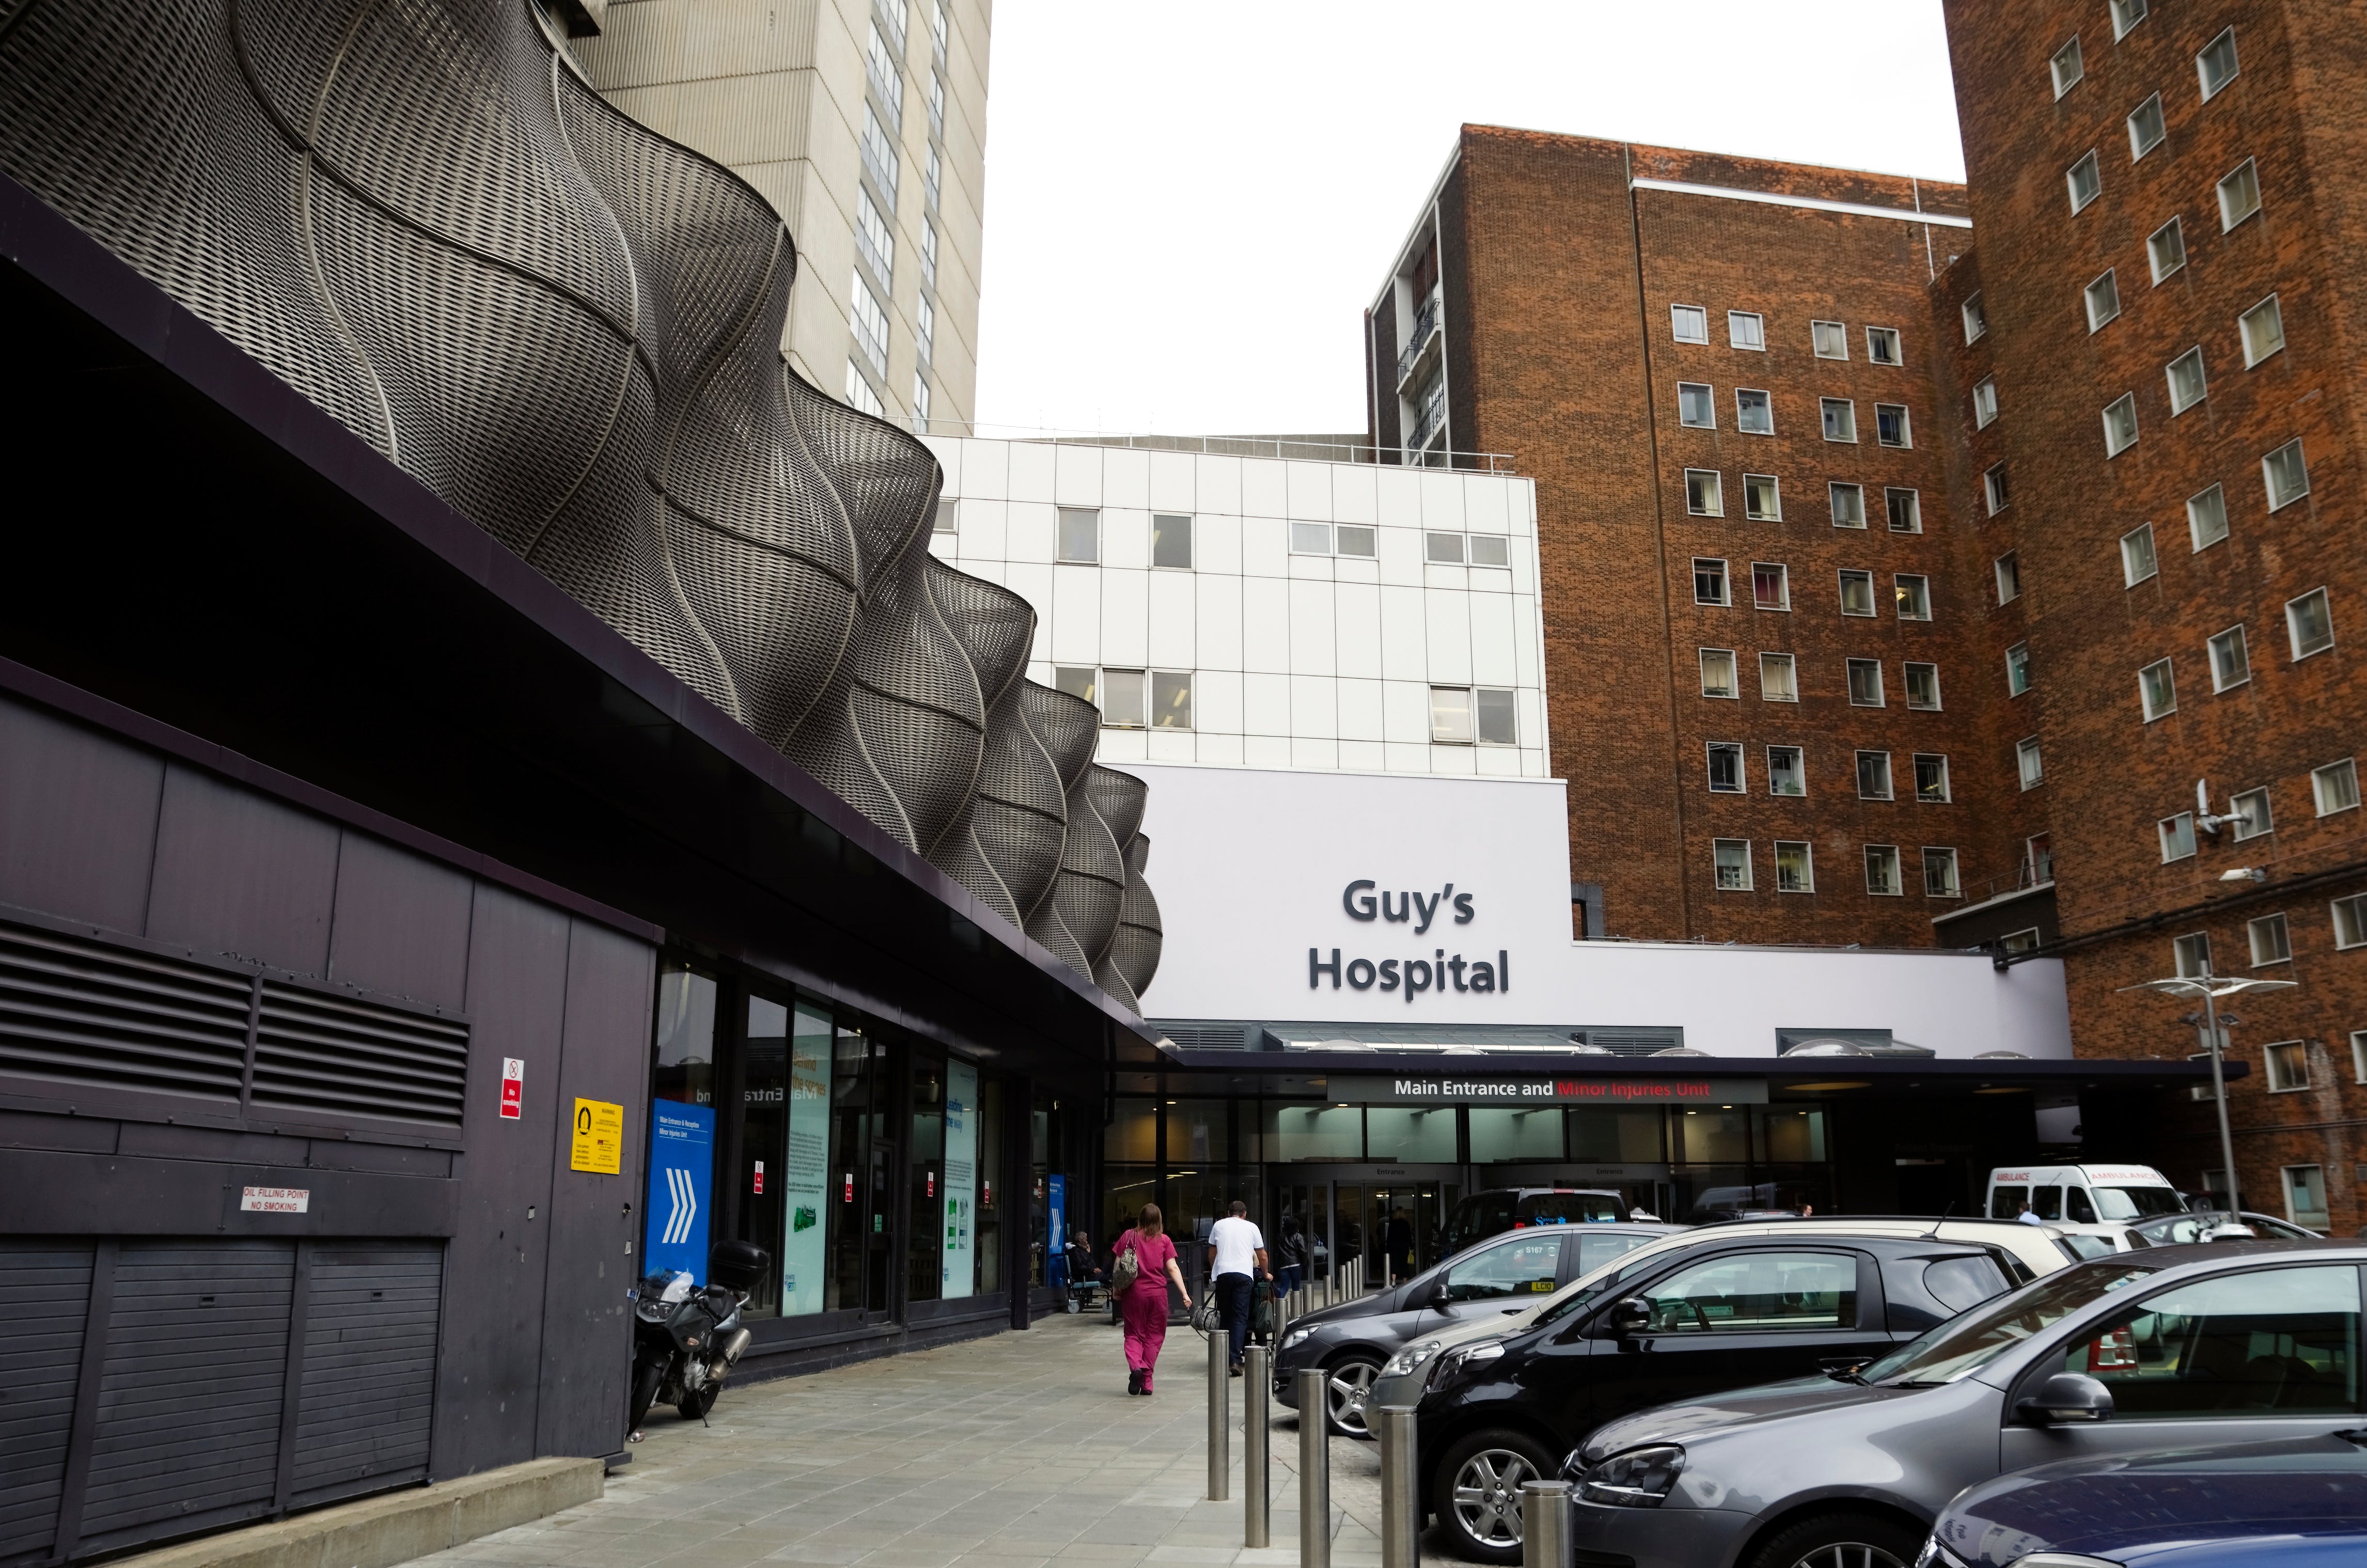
(1014, 1451)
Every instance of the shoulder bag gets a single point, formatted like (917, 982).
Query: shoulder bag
(1125, 1269)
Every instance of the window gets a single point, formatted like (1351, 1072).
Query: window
(1890, 425)
(1865, 683)
(1906, 511)
(2008, 568)
(1913, 597)
(1461, 715)
(1849, 506)
(1753, 414)
(933, 178)
(2017, 669)
(949, 519)
(860, 395)
(2126, 14)
(1939, 873)
(1497, 714)
(2359, 1056)
(1994, 489)
(2215, 66)
(920, 402)
(1787, 773)
(1777, 678)
(1746, 329)
(1882, 346)
(1689, 323)
(876, 245)
(1170, 700)
(2288, 1061)
(1796, 871)
(1874, 776)
(1841, 419)
(2166, 249)
(2191, 955)
(2305, 1200)
(1450, 715)
(2137, 562)
(2286, 475)
(2221, 1330)
(1830, 339)
(937, 102)
(1923, 687)
(1354, 538)
(1857, 593)
(1489, 550)
(2239, 194)
(2229, 666)
(1122, 700)
(1771, 586)
(2176, 837)
(2146, 128)
(2102, 298)
(1931, 779)
(1977, 319)
(1081, 534)
(870, 325)
(1882, 870)
(2026, 762)
(879, 155)
(1077, 682)
(2038, 858)
(1762, 500)
(2188, 385)
(2156, 690)
(1695, 405)
(924, 323)
(2025, 940)
(1984, 404)
(2349, 920)
(2121, 425)
(1709, 581)
(929, 252)
(2309, 623)
(2082, 180)
(2067, 67)
(1732, 858)
(1442, 550)
(1171, 541)
(2251, 811)
(2263, 330)
(1717, 673)
(1311, 539)
(1517, 1269)
(2335, 786)
(1704, 494)
(2206, 517)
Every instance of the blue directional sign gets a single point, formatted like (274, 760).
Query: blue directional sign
(1055, 1256)
(681, 1182)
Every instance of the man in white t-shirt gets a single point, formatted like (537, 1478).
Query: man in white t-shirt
(1236, 1256)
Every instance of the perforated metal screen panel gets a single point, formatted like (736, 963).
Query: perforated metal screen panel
(567, 326)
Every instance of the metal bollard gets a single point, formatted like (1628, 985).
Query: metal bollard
(1314, 1468)
(1544, 1524)
(1220, 1425)
(1400, 1488)
(1256, 1497)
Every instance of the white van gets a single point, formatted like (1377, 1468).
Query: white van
(2082, 1194)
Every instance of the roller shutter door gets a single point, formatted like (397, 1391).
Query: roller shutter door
(44, 1300)
(370, 1369)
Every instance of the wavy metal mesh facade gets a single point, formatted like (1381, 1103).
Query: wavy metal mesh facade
(415, 213)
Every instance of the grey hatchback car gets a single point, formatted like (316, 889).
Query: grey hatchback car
(2170, 1347)
(1502, 1273)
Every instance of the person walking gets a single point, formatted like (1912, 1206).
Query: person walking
(1236, 1258)
(1144, 1303)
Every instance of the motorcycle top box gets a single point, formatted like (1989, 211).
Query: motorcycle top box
(739, 1265)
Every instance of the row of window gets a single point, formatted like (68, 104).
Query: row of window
(2334, 788)
(1079, 540)
(2309, 629)
(2215, 65)
(1748, 330)
(1161, 700)
(1754, 415)
(1771, 588)
(1762, 501)
(1779, 679)
(875, 243)
(1787, 773)
(2288, 1064)
(1796, 869)
(2268, 939)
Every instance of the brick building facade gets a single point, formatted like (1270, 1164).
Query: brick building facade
(1679, 346)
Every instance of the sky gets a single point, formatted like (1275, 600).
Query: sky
(1188, 207)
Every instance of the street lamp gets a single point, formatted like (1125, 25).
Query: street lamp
(2210, 988)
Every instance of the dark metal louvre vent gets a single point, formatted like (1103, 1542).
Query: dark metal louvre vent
(1635, 1042)
(75, 1011)
(344, 1057)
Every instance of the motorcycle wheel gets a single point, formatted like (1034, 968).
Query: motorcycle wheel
(646, 1376)
(695, 1408)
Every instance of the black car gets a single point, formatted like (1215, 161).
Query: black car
(1502, 1208)
(1502, 1273)
(1697, 1320)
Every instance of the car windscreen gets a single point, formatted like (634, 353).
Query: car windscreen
(2135, 1202)
(1964, 1345)
(1566, 1209)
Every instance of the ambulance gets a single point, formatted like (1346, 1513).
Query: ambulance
(2082, 1194)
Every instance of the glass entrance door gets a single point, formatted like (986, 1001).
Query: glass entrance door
(879, 1248)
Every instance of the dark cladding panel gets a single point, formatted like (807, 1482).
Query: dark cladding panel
(77, 821)
(242, 875)
(370, 1367)
(402, 925)
(492, 1325)
(587, 1333)
(45, 1296)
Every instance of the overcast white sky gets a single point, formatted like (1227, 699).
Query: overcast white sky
(1188, 205)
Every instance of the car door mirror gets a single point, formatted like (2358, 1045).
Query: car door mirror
(1631, 1314)
(2067, 1398)
(1441, 1298)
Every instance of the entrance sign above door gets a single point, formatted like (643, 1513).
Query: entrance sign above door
(1543, 1088)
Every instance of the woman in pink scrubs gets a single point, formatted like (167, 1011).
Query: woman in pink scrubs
(1144, 1304)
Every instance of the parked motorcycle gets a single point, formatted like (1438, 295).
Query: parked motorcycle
(686, 1337)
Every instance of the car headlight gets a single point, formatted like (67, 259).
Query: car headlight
(1296, 1337)
(1412, 1355)
(1463, 1356)
(1640, 1478)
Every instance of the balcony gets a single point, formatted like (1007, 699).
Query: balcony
(1420, 352)
(1429, 419)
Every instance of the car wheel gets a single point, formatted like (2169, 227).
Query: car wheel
(1841, 1540)
(1348, 1384)
(1478, 1489)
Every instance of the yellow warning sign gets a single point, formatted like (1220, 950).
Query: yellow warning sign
(599, 1138)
